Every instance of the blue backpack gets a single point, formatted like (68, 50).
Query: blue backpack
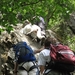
(23, 52)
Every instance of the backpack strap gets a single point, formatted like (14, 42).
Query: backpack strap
(22, 68)
(33, 67)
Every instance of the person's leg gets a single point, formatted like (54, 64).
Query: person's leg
(22, 72)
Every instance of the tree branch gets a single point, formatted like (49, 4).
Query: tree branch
(31, 3)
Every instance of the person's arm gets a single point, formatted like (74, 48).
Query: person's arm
(39, 50)
(42, 68)
(41, 63)
(15, 68)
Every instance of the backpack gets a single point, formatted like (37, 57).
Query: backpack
(23, 52)
(63, 58)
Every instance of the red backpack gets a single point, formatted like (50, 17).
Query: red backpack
(62, 53)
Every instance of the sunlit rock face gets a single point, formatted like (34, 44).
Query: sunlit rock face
(15, 36)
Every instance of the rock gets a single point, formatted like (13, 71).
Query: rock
(15, 36)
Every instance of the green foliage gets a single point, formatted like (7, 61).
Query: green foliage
(53, 11)
(49, 9)
(64, 33)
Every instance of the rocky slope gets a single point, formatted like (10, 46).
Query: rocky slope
(6, 41)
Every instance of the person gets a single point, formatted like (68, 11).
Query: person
(51, 39)
(28, 67)
(44, 54)
(35, 32)
(41, 23)
(44, 58)
(19, 16)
